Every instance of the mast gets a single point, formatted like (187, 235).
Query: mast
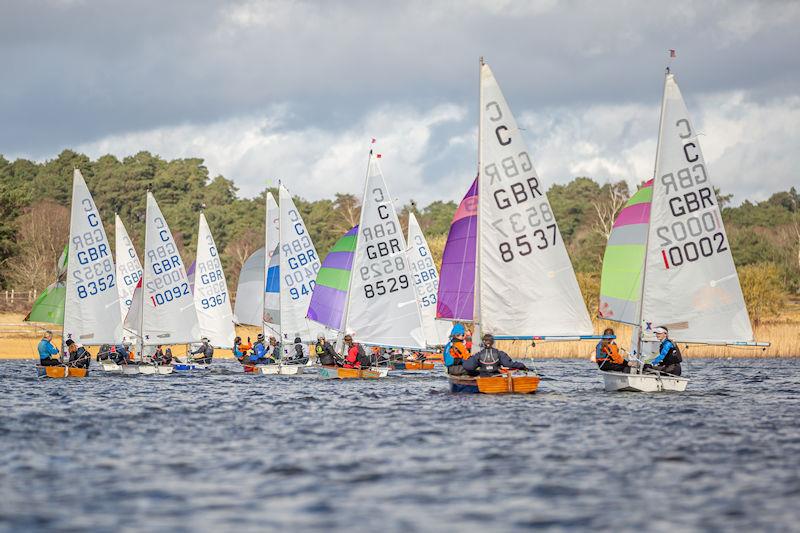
(476, 299)
(140, 336)
(638, 327)
(340, 340)
(265, 267)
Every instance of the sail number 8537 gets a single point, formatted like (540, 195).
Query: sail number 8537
(540, 238)
(384, 286)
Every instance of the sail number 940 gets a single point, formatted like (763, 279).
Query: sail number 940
(540, 238)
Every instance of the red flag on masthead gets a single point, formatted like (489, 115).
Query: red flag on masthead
(671, 52)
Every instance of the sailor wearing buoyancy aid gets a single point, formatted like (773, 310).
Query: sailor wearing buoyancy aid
(489, 360)
(669, 356)
(455, 351)
(607, 355)
(325, 352)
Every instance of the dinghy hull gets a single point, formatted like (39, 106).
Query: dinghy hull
(330, 372)
(58, 372)
(517, 383)
(414, 365)
(619, 382)
(280, 370)
(188, 367)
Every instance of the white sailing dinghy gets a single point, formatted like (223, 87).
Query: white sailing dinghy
(381, 302)
(523, 281)
(129, 271)
(426, 283)
(211, 301)
(163, 311)
(91, 312)
(668, 261)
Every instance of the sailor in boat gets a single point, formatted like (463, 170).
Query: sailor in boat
(274, 349)
(160, 357)
(47, 350)
(607, 355)
(326, 355)
(205, 352)
(260, 355)
(240, 349)
(79, 357)
(456, 351)
(489, 360)
(669, 357)
(121, 354)
(355, 356)
(299, 353)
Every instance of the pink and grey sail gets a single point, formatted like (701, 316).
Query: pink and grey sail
(456, 296)
(623, 262)
(333, 280)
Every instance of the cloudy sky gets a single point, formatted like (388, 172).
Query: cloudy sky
(266, 89)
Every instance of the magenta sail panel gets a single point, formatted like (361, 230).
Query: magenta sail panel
(457, 277)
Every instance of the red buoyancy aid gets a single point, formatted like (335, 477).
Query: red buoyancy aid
(351, 360)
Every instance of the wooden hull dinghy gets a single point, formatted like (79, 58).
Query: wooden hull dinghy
(58, 372)
(618, 381)
(414, 365)
(508, 383)
(335, 372)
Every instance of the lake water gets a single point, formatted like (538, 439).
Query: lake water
(226, 451)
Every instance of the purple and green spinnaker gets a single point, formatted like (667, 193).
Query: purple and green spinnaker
(623, 262)
(455, 300)
(333, 279)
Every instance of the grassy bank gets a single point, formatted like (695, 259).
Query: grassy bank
(18, 341)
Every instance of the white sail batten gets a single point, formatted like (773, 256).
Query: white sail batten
(249, 306)
(426, 283)
(211, 298)
(270, 293)
(526, 281)
(382, 303)
(299, 265)
(129, 269)
(92, 311)
(167, 303)
(690, 285)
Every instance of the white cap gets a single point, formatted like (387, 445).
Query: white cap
(659, 329)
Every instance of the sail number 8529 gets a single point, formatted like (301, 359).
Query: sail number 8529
(386, 285)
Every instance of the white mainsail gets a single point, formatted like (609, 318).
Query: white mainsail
(271, 300)
(91, 309)
(382, 303)
(527, 285)
(165, 312)
(129, 269)
(249, 306)
(299, 265)
(690, 283)
(426, 282)
(211, 299)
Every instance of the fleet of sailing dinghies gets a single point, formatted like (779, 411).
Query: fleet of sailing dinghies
(211, 299)
(505, 269)
(426, 282)
(668, 261)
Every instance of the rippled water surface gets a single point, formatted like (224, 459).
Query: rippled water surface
(228, 451)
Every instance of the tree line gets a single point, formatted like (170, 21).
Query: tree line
(35, 197)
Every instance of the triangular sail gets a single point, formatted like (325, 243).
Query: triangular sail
(382, 303)
(299, 266)
(426, 282)
(49, 305)
(91, 308)
(623, 261)
(333, 280)
(690, 285)
(527, 284)
(272, 292)
(169, 316)
(457, 281)
(249, 306)
(271, 299)
(211, 298)
(129, 269)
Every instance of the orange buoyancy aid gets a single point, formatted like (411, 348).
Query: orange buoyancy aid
(459, 350)
(609, 352)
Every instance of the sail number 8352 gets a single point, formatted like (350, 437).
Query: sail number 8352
(540, 238)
